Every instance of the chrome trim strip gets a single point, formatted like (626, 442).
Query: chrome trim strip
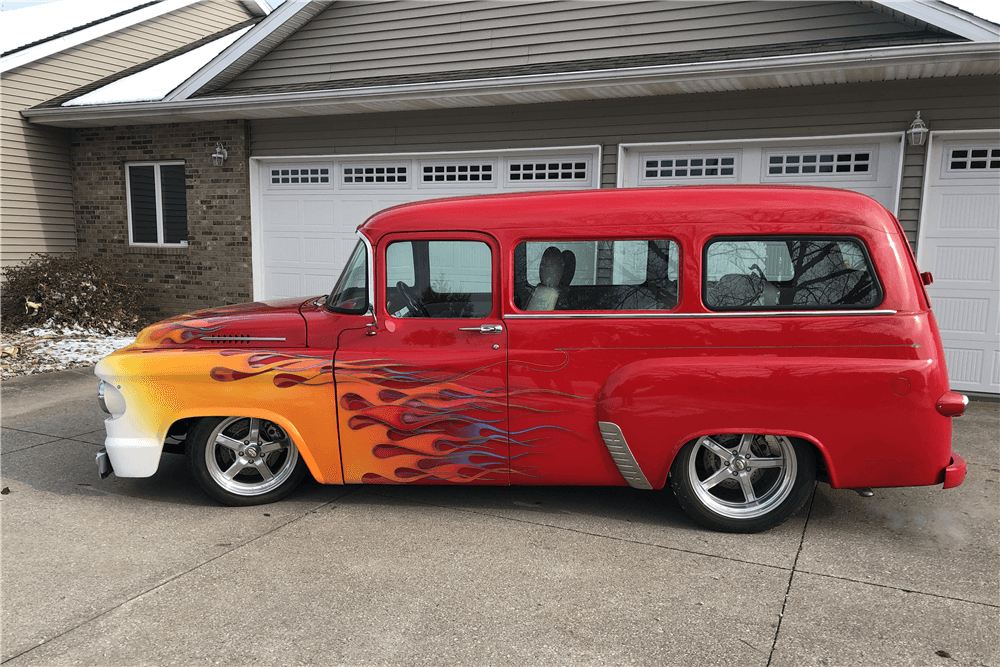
(239, 339)
(622, 456)
(681, 316)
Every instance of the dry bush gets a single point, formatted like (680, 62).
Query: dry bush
(66, 290)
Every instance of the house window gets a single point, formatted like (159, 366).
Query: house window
(157, 203)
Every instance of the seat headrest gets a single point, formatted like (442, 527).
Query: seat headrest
(550, 270)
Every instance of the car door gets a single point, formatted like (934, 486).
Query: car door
(422, 394)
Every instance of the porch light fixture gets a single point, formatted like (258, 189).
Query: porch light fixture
(917, 134)
(220, 154)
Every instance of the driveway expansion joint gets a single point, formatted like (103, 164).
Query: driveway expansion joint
(791, 577)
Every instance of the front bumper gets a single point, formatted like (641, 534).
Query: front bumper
(954, 474)
(133, 457)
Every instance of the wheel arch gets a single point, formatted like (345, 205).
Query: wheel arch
(259, 413)
(822, 455)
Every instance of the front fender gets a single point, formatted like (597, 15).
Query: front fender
(161, 386)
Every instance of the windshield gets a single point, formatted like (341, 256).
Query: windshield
(351, 293)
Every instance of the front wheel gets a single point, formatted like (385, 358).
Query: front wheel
(743, 483)
(244, 460)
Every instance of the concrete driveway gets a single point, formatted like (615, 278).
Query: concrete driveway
(152, 572)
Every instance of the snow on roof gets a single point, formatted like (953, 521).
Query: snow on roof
(35, 24)
(155, 82)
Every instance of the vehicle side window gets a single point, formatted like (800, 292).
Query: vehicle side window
(596, 275)
(439, 279)
(787, 273)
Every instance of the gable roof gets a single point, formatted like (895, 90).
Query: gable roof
(34, 33)
(920, 49)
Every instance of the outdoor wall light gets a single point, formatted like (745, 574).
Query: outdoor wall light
(220, 154)
(917, 134)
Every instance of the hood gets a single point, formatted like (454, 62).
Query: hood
(270, 324)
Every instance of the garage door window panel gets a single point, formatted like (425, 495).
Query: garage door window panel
(972, 160)
(157, 204)
(678, 168)
(789, 273)
(812, 163)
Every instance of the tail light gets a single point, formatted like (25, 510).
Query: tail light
(952, 404)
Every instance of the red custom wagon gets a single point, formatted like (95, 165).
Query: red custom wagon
(734, 343)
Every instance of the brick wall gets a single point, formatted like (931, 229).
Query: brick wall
(214, 268)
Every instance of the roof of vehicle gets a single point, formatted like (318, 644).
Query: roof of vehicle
(578, 213)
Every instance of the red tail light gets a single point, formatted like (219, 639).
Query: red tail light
(952, 404)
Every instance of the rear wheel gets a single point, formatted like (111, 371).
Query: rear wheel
(743, 483)
(244, 460)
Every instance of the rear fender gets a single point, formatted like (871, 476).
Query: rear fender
(662, 404)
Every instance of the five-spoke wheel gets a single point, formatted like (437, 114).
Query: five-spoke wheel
(743, 483)
(244, 460)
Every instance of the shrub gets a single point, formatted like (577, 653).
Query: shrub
(66, 290)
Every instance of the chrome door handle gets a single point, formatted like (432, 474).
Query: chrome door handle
(485, 328)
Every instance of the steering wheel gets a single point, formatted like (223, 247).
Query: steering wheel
(413, 302)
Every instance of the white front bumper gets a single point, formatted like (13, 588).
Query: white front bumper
(131, 456)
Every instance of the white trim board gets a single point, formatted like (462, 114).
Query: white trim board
(890, 63)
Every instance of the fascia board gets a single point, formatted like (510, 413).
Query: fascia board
(79, 37)
(401, 97)
(277, 18)
(946, 17)
(257, 7)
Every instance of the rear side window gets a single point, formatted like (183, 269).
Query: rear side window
(627, 274)
(789, 273)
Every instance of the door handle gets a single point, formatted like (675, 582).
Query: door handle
(485, 328)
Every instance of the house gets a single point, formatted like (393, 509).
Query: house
(326, 112)
(42, 60)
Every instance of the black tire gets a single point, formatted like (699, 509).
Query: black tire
(743, 483)
(243, 461)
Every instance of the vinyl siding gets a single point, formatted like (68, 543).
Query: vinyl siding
(36, 187)
(369, 39)
(960, 103)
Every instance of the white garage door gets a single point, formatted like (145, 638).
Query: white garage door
(869, 164)
(307, 209)
(960, 245)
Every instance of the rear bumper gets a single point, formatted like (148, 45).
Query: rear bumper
(954, 474)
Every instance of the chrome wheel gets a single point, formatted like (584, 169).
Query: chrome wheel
(249, 457)
(743, 483)
(742, 477)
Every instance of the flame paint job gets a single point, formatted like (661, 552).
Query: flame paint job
(420, 401)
